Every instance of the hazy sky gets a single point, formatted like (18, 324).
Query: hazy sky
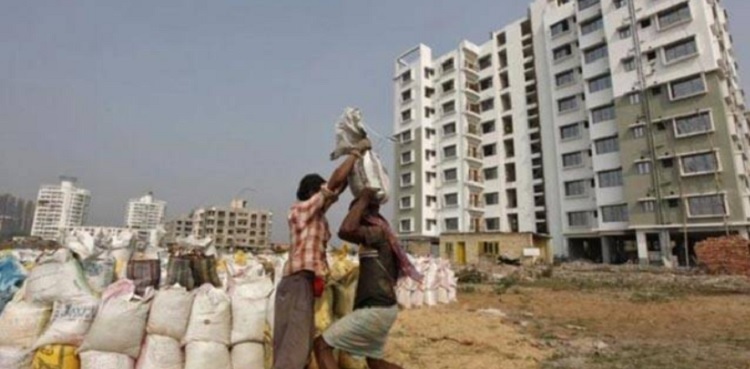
(196, 100)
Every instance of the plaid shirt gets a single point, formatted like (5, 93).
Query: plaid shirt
(309, 232)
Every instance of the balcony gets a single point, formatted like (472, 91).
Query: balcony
(472, 90)
(471, 69)
(473, 110)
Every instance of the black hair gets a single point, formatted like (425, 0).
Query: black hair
(309, 186)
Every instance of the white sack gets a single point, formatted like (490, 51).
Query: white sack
(121, 322)
(170, 312)
(211, 316)
(248, 355)
(99, 272)
(161, 352)
(369, 172)
(15, 357)
(81, 243)
(70, 322)
(349, 131)
(22, 322)
(57, 277)
(249, 304)
(105, 360)
(204, 355)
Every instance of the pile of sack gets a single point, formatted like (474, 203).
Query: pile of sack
(438, 287)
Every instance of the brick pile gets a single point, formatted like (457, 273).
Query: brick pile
(725, 255)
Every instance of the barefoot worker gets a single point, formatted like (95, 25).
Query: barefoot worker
(382, 262)
(304, 272)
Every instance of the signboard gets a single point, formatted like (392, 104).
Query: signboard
(532, 252)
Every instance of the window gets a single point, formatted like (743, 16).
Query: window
(406, 203)
(645, 23)
(648, 206)
(699, 163)
(570, 131)
(591, 25)
(634, 98)
(406, 77)
(583, 4)
(485, 62)
(625, 32)
(687, 87)
(603, 113)
(567, 104)
(448, 65)
(448, 86)
(693, 124)
(607, 145)
(492, 198)
(628, 64)
(451, 224)
(429, 92)
(673, 16)
(450, 175)
(451, 199)
(407, 157)
(431, 200)
(620, 3)
(565, 78)
(560, 27)
(572, 159)
(405, 136)
(406, 96)
(429, 132)
(490, 173)
(488, 127)
(405, 225)
(610, 178)
(449, 107)
(600, 83)
(492, 224)
(578, 218)
(488, 104)
(562, 52)
(615, 213)
(406, 116)
(643, 167)
(449, 129)
(485, 84)
(680, 50)
(407, 179)
(595, 53)
(575, 188)
(449, 152)
(430, 154)
(489, 150)
(706, 206)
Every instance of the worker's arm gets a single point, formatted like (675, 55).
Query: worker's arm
(352, 229)
(338, 181)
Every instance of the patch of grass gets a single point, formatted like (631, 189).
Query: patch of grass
(502, 286)
(647, 296)
(466, 288)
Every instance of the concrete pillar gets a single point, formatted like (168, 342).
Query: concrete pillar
(743, 233)
(607, 250)
(640, 237)
(665, 245)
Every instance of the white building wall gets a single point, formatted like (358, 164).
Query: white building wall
(59, 207)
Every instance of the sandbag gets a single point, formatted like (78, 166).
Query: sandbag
(105, 360)
(249, 303)
(121, 322)
(15, 357)
(145, 274)
(161, 352)
(99, 272)
(56, 357)
(57, 277)
(170, 312)
(349, 131)
(179, 271)
(12, 276)
(205, 271)
(267, 347)
(70, 322)
(369, 172)
(211, 316)
(22, 322)
(324, 310)
(203, 355)
(248, 355)
(403, 292)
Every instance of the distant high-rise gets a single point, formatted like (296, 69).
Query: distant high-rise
(145, 212)
(16, 216)
(60, 207)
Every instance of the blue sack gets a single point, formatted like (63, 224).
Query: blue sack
(12, 277)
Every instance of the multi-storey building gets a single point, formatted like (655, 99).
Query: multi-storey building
(145, 212)
(615, 126)
(236, 226)
(16, 216)
(58, 208)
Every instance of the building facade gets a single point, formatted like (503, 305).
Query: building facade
(615, 126)
(145, 212)
(232, 227)
(16, 216)
(60, 207)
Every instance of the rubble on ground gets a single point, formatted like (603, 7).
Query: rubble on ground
(725, 255)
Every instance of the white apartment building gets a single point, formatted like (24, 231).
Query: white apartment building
(145, 212)
(58, 208)
(615, 126)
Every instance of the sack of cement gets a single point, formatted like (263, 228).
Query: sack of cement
(211, 317)
(205, 270)
(202, 355)
(121, 322)
(22, 322)
(161, 352)
(99, 271)
(249, 303)
(70, 322)
(170, 312)
(12, 276)
(180, 271)
(144, 273)
(248, 355)
(56, 357)
(108, 360)
(12, 357)
(57, 277)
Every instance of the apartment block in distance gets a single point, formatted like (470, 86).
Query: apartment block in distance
(233, 227)
(60, 207)
(617, 127)
(16, 216)
(145, 212)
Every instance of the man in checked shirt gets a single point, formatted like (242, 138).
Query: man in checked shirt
(304, 272)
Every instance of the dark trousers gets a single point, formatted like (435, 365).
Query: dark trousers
(294, 321)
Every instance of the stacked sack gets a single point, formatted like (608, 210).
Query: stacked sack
(117, 332)
(209, 330)
(438, 287)
(167, 325)
(250, 291)
(12, 276)
(21, 323)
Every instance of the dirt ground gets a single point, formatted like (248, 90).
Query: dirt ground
(566, 323)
